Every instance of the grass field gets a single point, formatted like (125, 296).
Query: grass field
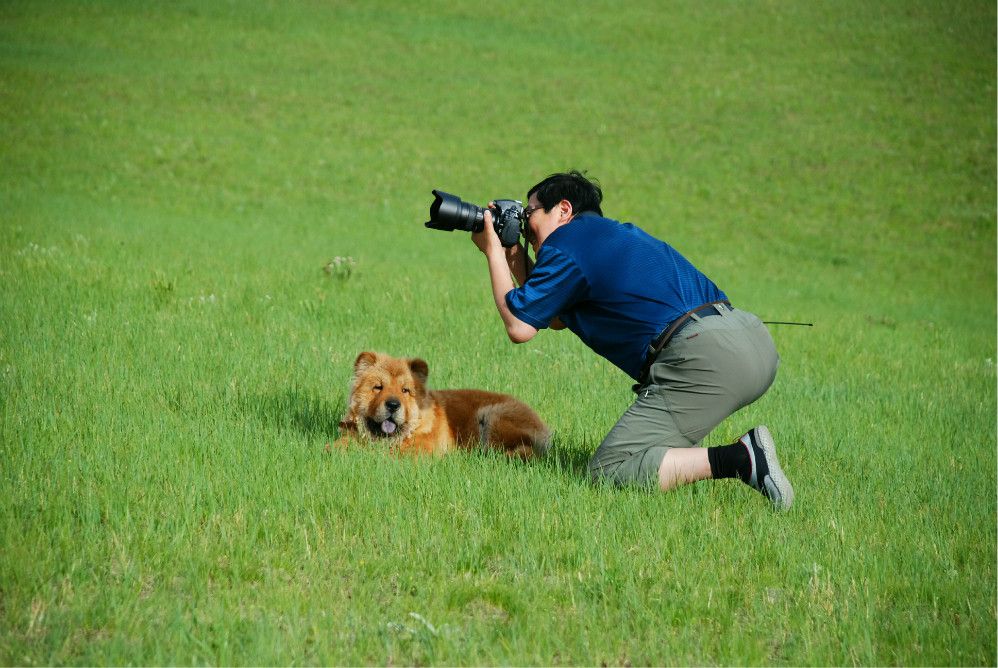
(175, 177)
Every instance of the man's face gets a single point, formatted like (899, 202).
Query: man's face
(538, 217)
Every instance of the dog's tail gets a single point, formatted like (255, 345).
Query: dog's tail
(543, 442)
(514, 428)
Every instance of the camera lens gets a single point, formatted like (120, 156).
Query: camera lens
(450, 213)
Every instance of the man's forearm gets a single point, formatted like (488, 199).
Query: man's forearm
(518, 261)
(502, 284)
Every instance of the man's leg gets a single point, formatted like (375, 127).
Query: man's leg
(633, 451)
(715, 368)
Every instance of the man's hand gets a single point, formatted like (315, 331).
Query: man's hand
(514, 253)
(519, 263)
(487, 240)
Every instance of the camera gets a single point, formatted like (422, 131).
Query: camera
(449, 213)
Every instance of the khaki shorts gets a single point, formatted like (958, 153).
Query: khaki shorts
(713, 367)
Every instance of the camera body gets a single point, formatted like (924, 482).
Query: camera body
(449, 213)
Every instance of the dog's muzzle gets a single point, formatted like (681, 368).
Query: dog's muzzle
(384, 428)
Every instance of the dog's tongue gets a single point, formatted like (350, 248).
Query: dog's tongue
(388, 427)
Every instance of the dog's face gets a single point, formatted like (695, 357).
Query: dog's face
(387, 395)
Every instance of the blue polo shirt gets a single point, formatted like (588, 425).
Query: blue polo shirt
(614, 285)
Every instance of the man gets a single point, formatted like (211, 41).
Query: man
(637, 302)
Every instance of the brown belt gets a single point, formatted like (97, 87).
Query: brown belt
(662, 340)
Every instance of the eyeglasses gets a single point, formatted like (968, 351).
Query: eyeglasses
(525, 216)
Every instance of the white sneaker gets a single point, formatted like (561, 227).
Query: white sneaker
(767, 474)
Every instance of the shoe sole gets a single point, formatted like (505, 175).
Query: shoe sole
(776, 474)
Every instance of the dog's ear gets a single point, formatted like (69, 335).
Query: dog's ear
(419, 369)
(364, 361)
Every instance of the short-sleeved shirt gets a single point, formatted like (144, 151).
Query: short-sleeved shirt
(614, 285)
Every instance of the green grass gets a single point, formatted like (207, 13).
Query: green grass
(174, 359)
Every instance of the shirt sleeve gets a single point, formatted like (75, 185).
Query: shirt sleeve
(555, 284)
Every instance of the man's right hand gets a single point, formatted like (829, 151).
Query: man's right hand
(487, 240)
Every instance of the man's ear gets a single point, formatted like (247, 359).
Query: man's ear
(565, 209)
(364, 361)
(419, 369)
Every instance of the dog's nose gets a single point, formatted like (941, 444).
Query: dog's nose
(393, 404)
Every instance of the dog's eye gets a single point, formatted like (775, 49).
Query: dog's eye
(406, 390)
(378, 388)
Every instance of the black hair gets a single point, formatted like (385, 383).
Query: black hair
(584, 193)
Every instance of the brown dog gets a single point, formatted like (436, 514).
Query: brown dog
(389, 402)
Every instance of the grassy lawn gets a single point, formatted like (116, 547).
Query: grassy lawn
(177, 181)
